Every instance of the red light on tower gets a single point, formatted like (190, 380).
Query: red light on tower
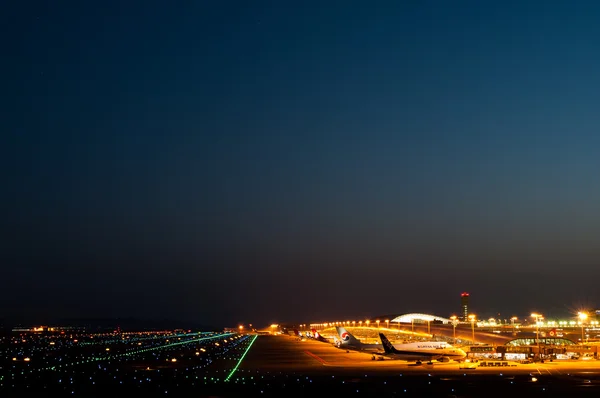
(464, 294)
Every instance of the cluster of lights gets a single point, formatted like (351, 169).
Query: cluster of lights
(67, 350)
(180, 361)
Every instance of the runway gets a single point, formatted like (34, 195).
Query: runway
(283, 360)
(284, 353)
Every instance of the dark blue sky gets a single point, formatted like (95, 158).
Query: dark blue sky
(272, 161)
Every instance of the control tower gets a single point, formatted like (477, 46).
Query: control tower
(464, 306)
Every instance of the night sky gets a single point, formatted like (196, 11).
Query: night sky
(223, 162)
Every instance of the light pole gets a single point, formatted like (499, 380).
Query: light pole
(454, 322)
(512, 320)
(582, 317)
(377, 321)
(472, 319)
(387, 323)
(537, 333)
(428, 327)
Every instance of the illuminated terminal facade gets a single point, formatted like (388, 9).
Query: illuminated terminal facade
(550, 341)
(420, 318)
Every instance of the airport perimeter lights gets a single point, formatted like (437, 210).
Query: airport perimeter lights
(454, 322)
(537, 333)
(472, 319)
(582, 317)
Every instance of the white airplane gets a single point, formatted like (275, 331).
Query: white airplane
(420, 351)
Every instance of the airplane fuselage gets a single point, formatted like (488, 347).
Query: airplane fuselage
(424, 355)
(370, 348)
(426, 350)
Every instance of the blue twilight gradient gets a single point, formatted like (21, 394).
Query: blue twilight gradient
(298, 159)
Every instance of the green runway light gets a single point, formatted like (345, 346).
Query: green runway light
(241, 359)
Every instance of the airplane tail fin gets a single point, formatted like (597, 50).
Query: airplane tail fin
(346, 338)
(387, 346)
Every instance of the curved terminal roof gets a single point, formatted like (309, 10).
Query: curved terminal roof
(543, 340)
(409, 318)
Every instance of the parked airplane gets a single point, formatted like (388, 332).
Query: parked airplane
(428, 350)
(298, 334)
(349, 342)
(317, 336)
